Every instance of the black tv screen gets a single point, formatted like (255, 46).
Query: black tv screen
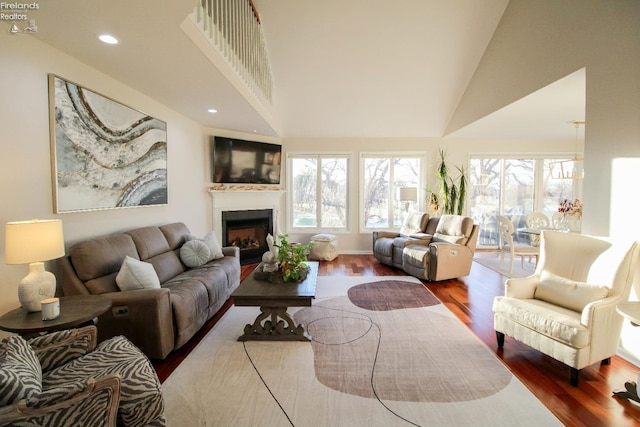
(236, 161)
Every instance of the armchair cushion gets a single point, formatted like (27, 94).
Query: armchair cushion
(20, 372)
(139, 382)
(568, 293)
(57, 348)
(540, 317)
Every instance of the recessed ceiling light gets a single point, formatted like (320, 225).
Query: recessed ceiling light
(107, 38)
(212, 110)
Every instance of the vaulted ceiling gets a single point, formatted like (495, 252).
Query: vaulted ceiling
(342, 68)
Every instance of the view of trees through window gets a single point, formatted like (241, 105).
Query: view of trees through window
(319, 191)
(515, 187)
(382, 177)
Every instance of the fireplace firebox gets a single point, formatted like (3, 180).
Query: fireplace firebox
(247, 230)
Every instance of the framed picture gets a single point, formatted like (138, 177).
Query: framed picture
(104, 155)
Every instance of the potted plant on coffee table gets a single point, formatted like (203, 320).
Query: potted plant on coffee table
(292, 258)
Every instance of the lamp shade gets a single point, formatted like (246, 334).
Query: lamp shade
(33, 241)
(408, 194)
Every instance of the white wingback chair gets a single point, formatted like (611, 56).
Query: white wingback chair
(555, 312)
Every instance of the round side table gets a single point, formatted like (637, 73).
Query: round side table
(75, 311)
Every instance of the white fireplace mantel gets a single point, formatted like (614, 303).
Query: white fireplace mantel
(243, 200)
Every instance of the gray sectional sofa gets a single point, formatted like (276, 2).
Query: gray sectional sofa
(157, 320)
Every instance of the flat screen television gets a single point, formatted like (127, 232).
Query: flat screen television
(236, 161)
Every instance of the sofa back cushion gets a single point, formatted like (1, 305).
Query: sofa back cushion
(154, 248)
(20, 371)
(97, 261)
(454, 229)
(414, 223)
(175, 234)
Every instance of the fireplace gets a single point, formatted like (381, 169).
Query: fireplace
(247, 230)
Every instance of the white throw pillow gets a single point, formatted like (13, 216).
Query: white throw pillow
(136, 274)
(568, 293)
(195, 253)
(212, 241)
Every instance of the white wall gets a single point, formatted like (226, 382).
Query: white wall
(25, 173)
(540, 41)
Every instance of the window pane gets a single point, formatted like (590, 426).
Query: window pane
(405, 174)
(334, 193)
(556, 187)
(518, 183)
(484, 197)
(376, 192)
(303, 192)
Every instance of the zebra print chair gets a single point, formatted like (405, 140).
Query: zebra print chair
(64, 379)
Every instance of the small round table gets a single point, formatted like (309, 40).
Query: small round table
(75, 311)
(631, 311)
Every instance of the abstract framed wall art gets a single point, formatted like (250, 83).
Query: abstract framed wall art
(104, 155)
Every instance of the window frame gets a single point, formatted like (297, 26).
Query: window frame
(538, 180)
(422, 156)
(289, 194)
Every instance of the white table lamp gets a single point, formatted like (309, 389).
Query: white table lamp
(33, 242)
(407, 195)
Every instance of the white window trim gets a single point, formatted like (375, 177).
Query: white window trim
(422, 155)
(289, 211)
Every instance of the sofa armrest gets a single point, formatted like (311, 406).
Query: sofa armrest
(144, 316)
(67, 278)
(521, 287)
(80, 403)
(233, 251)
(387, 234)
(422, 236)
(605, 324)
(57, 348)
(449, 260)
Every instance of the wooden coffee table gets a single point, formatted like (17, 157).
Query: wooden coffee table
(274, 323)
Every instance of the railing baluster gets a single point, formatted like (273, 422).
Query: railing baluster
(233, 27)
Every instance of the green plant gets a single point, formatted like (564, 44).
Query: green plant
(451, 192)
(292, 258)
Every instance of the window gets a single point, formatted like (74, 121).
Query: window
(318, 196)
(381, 177)
(515, 187)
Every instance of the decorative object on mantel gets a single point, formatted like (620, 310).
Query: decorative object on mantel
(33, 242)
(245, 187)
(290, 261)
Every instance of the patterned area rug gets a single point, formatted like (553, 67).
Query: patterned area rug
(385, 352)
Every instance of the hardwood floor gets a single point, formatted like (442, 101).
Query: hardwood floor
(470, 299)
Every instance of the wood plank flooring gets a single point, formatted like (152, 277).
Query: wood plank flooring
(470, 299)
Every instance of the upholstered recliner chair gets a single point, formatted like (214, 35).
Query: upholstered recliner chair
(441, 248)
(388, 245)
(556, 312)
(64, 379)
(448, 254)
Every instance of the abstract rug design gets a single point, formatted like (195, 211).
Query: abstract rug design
(385, 352)
(373, 344)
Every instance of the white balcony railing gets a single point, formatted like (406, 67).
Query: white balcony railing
(233, 29)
